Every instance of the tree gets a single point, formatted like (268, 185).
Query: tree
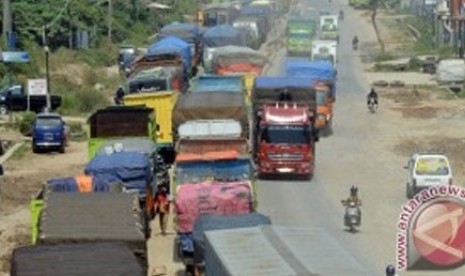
(374, 6)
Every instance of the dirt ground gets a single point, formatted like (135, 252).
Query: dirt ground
(24, 174)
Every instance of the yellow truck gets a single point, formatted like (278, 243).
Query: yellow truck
(163, 104)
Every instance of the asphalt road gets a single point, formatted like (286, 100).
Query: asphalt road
(342, 159)
(357, 153)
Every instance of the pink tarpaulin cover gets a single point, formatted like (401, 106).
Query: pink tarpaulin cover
(194, 200)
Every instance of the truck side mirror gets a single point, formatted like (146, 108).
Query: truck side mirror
(158, 127)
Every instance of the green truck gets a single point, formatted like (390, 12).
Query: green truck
(359, 4)
(329, 27)
(116, 122)
(300, 33)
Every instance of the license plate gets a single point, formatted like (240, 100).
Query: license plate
(285, 170)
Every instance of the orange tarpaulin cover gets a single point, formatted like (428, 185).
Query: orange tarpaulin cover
(239, 68)
(213, 155)
(84, 183)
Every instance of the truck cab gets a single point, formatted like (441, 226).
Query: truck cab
(324, 50)
(324, 106)
(285, 140)
(48, 132)
(329, 27)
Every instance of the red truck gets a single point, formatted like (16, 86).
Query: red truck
(284, 132)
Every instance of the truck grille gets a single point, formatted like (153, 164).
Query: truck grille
(285, 156)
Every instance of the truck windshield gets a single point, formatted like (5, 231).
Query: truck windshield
(437, 166)
(277, 134)
(300, 36)
(48, 122)
(321, 97)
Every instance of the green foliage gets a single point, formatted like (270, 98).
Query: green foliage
(106, 55)
(383, 56)
(24, 124)
(77, 99)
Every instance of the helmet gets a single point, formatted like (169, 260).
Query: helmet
(390, 270)
(353, 189)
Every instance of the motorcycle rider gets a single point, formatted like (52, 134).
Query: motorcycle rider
(391, 271)
(372, 96)
(355, 42)
(353, 199)
(119, 95)
(341, 15)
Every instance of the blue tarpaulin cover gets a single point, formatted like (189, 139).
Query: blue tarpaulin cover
(171, 45)
(223, 35)
(215, 222)
(313, 70)
(218, 83)
(131, 168)
(282, 82)
(185, 31)
(69, 184)
(322, 70)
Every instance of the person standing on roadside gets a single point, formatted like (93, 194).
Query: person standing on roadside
(162, 207)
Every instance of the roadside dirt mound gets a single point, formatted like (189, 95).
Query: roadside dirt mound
(418, 112)
(405, 96)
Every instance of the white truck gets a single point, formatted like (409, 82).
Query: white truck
(324, 50)
(329, 26)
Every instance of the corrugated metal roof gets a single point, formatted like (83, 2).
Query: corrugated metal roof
(68, 217)
(76, 260)
(282, 251)
(318, 252)
(246, 251)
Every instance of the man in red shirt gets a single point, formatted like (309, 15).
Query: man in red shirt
(162, 207)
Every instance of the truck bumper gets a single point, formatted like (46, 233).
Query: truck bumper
(48, 144)
(285, 168)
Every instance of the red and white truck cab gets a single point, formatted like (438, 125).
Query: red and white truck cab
(285, 139)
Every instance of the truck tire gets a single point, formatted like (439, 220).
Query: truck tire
(62, 149)
(3, 110)
(35, 149)
(408, 191)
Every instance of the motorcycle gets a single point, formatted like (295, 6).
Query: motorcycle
(352, 217)
(341, 15)
(371, 105)
(355, 46)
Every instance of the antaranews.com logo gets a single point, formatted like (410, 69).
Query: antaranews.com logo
(431, 230)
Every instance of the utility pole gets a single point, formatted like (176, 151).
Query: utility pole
(110, 11)
(7, 22)
(47, 69)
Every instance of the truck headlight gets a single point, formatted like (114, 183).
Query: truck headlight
(321, 117)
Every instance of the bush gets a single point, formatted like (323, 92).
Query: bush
(78, 99)
(105, 55)
(24, 125)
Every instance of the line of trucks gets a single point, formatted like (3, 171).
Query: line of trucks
(215, 132)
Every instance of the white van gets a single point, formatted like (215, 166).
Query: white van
(426, 170)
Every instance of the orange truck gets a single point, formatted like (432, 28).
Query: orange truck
(322, 75)
(237, 60)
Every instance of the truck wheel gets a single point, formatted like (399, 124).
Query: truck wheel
(3, 110)
(62, 149)
(35, 149)
(408, 191)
